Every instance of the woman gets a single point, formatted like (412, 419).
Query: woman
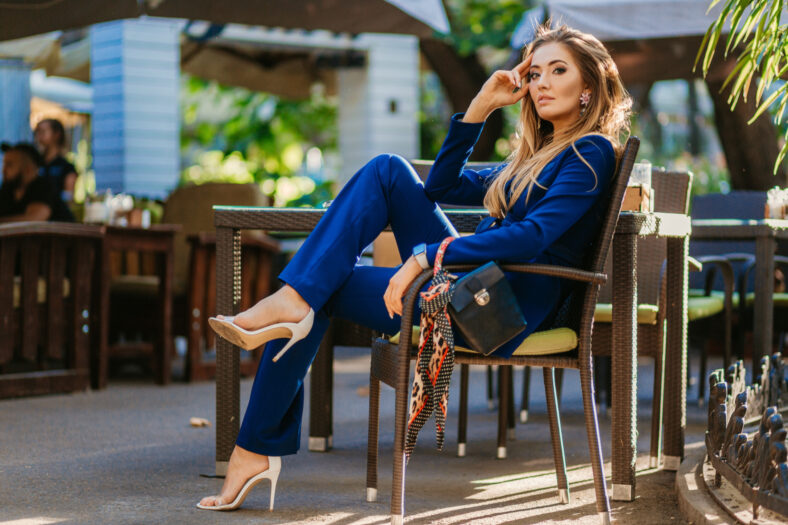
(51, 139)
(547, 206)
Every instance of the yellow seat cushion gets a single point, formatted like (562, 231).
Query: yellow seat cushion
(780, 298)
(135, 284)
(705, 306)
(41, 291)
(647, 313)
(694, 292)
(544, 342)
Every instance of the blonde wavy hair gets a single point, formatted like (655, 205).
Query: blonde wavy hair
(606, 114)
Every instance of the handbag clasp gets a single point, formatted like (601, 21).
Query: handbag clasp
(482, 297)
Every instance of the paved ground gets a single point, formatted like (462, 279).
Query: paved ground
(128, 455)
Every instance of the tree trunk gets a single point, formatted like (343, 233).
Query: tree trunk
(462, 77)
(750, 150)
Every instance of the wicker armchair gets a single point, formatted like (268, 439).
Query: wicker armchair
(391, 362)
(740, 255)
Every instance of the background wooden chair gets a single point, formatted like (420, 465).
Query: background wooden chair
(194, 290)
(49, 297)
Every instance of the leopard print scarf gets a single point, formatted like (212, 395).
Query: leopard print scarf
(430, 392)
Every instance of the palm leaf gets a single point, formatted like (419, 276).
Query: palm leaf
(768, 102)
(735, 20)
(780, 157)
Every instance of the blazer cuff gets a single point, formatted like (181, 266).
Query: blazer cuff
(468, 130)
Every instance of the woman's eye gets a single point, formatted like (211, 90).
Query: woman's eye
(533, 76)
(559, 70)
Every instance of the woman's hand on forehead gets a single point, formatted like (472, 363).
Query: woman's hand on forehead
(520, 72)
(503, 88)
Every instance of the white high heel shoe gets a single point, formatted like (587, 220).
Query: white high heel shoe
(272, 473)
(249, 340)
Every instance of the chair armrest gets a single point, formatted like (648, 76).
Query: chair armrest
(779, 260)
(409, 301)
(694, 264)
(737, 257)
(408, 307)
(249, 239)
(263, 242)
(552, 270)
(723, 264)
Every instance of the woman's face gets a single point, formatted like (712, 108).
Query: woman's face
(44, 135)
(555, 85)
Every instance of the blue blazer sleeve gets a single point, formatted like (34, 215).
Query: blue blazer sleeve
(449, 182)
(572, 193)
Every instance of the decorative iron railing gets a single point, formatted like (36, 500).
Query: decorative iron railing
(755, 464)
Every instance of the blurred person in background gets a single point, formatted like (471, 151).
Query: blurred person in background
(51, 139)
(25, 195)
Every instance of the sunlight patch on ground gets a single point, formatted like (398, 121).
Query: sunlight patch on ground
(40, 520)
(337, 517)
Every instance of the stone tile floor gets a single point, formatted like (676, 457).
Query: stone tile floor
(128, 455)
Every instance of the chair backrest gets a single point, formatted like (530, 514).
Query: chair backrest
(671, 195)
(385, 251)
(740, 204)
(617, 188)
(577, 308)
(192, 207)
(423, 167)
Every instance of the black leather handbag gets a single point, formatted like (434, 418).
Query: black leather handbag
(484, 309)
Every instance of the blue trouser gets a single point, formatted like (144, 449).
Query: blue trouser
(324, 271)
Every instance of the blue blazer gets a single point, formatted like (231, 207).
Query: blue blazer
(556, 226)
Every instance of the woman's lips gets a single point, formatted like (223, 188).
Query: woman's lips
(543, 100)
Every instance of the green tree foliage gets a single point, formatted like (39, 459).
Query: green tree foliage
(478, 23)
(235, 135)
(480, 29)
(755, 29)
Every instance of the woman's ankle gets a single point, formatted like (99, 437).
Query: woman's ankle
(294, 298)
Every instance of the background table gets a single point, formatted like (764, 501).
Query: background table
(157, 239)
(231, 220)
(765, 233)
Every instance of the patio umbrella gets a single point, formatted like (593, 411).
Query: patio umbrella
(283, 62)
(649, 40)
(20, 18)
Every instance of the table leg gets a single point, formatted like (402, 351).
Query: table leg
(675, 392)
(624, 366)
(764, 299)
(100, 359)
(228, 365)
(321, 394)
(165, 329)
